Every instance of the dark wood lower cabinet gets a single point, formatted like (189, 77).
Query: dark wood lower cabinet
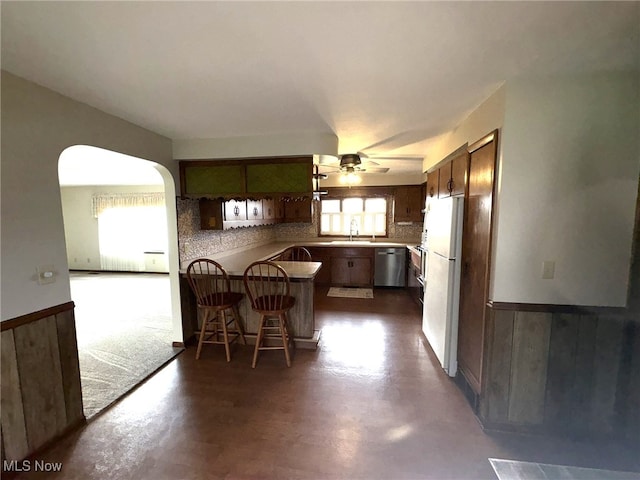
(344, 266)
(351, 271)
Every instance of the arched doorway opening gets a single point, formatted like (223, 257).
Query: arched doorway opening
(121, 237)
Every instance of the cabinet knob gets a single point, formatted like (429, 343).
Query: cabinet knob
(255, 211)
(450, 185)
(236, 211)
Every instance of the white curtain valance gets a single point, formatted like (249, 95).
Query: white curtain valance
(100, 202)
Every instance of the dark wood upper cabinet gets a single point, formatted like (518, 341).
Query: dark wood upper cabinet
(459, 168)
(432, 184)
(211, 214)
(408, 203)
(298, 210)
(453, 176)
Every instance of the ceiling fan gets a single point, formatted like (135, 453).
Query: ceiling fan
(350, 163)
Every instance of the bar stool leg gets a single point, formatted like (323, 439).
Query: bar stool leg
(282, 319)
(225, 334)
(258, 341)
(203, 329)
(236, 317)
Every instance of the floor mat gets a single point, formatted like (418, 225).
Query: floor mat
(350, 292)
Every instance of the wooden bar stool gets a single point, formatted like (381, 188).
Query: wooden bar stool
(295, 254)
(212, 288)
(267, 286)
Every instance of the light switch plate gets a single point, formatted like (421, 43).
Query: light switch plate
(548, 269)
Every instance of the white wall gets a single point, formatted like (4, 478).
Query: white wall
(81, 227)
(567, 192)
(257, 146)
(37, 125)
(488, 117)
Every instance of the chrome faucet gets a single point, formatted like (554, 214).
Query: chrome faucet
(353, 226)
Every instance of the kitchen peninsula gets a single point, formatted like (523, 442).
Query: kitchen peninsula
(302, 276)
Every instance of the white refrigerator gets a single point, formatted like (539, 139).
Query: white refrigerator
(443, 224)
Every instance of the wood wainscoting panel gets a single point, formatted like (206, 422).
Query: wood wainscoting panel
(529, 361)
(606, 368)
(561, 377)
(629, 399)
(14, 432)
(70, 366)
(495, 404)
(583, 383)
(41, 380)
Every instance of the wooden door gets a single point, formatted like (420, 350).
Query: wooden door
(476, 248)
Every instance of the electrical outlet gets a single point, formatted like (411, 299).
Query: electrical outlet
(46, 274)
(548, 269)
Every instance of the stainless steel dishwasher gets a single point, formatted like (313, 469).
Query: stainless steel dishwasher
(389, 267)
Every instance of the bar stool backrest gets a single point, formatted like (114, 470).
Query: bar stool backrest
(267, 285)
(209, 282)
(296, 254)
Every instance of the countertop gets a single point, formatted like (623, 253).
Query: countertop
(237, 260)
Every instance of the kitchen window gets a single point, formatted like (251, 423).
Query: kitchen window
(354, 216)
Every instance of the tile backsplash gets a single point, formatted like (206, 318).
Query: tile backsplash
(194, 243)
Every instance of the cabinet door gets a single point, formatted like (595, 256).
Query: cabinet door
(360, 271)
(210, 214)
(432, 183)
(235, 210)
(298, 210)
(269, 209)
(340, 271)
(279, 209)
(211, 179)
(254, 210)
(408, 204)
(459, 174)
(444, 183)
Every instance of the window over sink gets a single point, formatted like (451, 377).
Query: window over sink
(354, 216)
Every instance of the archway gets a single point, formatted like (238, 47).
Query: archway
(124, 268)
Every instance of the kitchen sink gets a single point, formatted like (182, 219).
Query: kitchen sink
(351, 242)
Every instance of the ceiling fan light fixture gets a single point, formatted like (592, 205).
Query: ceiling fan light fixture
(350, 177)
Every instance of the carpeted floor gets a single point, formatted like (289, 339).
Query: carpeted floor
(123, 323)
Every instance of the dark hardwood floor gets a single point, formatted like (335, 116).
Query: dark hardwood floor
(371, 402)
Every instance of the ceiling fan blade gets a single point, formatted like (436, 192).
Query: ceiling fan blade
(374, 170)
(328, 169)
(325, 160)
(397, 157)
(369, 162)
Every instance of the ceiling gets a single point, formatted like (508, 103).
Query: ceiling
(385, 77)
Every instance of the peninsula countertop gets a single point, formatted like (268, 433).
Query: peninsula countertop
(237, 260)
